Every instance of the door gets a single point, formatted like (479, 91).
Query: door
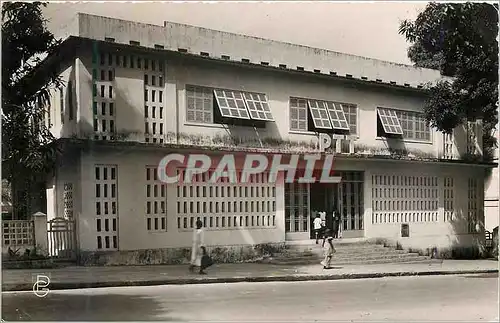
(351, 204)
(297, 211)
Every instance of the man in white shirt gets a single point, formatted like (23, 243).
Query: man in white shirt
(317, 227)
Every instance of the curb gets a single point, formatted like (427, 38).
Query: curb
(9, 287)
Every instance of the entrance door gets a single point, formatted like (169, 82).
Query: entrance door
(296, 211)
(351, 204)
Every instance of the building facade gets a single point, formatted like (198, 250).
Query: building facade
(136, 92)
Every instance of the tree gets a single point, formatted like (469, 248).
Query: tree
(460, 40)
(27, 155)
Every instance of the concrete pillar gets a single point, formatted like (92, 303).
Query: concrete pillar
(40, 229)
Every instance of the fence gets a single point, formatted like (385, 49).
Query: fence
(55, 238)
(18, 235)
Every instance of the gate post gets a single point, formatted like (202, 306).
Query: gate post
(40, 230)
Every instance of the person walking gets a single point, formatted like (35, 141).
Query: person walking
(317, 227)
(329, 250)
(197, 249)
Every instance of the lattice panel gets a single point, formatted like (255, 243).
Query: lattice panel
(156, 202)
(103, 104)
(68, 201)
(18, 233)
(154, 107)
(224, 205)
(401, 199)
(449, 199)
(472, 205)
(106, 206)
(471, 138)
(448, 146)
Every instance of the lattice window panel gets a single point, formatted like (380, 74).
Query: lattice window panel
(154, 106)
(156, 202)
(118, 60)
(296, 207)
(199, 104)
(106, 206)
(104, 111)
(448, 146)
(449, 199)
(471, 138)
(68, 201)
(226, 206)
(401, 199)
(472, 205)
(18, 233)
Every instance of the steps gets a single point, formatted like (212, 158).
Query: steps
(347, 254)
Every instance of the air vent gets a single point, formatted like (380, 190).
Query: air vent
(300, 68)
(406, 84)
(182, 50)
(264, 63)
(333, 73)
(317, 71)
(110, 39)
(419, 86)
(159, 46)
(225, 57)
(245, 60)
(282, 65)
(378, 80)
(204, 54)
(348, 75)
(364, 78)
(393, 83)
(135, 43)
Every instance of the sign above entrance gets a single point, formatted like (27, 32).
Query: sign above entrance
(339, 143)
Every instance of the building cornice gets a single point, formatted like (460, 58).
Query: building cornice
(89, 144)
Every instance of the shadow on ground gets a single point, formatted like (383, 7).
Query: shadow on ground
(69, 307)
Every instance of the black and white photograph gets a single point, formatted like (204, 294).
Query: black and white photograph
(250, 161)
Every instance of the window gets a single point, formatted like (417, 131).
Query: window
(407, 124)
(199, 107)
(258, 106)
(324, 115)
(390, 121)
(232, 106)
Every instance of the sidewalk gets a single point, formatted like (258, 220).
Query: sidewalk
(90, 277)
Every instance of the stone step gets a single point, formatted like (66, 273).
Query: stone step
(310, 261)
(345, 257)
(340, 247)
(346, 252)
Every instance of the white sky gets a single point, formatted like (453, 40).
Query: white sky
(365, 29)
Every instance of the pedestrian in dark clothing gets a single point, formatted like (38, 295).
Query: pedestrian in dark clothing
(336, 224)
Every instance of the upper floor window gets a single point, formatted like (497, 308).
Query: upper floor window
(402, 124)
(317, 115)
(205, 105)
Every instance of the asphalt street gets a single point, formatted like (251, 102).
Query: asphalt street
(450, 298)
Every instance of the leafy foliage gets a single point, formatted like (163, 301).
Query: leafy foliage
(26, 151)
(459, 39)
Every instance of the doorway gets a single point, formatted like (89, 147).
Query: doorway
(324, 198)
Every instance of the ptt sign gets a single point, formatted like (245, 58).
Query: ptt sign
(339, 143)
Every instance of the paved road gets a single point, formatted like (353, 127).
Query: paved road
(461, 298)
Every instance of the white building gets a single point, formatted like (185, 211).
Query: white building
(136, 92)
